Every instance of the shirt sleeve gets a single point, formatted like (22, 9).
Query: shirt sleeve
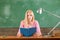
(21, 25)
(38, 31)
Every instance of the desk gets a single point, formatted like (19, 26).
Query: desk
(27, 38)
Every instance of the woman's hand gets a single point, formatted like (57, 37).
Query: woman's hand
(19, 35)
(36, 35)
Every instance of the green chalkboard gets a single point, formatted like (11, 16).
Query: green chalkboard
(13, 11)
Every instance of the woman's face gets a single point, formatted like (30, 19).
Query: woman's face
(29, 16)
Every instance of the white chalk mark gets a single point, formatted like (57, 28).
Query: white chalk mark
(48, 12)
(52, 13)
(7, 11)
(39, 11)
(54, 27)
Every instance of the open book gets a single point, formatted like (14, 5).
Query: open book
(27, 31)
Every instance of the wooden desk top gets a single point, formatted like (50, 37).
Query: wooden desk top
(25, 38)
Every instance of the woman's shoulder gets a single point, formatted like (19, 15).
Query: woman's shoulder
(36, 21)
(22, 21)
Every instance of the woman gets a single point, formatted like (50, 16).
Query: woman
(30, 22)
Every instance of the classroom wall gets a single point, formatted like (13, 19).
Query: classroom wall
(13, 11)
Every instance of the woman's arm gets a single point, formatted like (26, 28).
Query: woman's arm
(19, 33)
(38, 31)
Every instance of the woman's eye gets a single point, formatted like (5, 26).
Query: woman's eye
(27, 15)
(30, 15)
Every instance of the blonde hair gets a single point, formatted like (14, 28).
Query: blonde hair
(26, 19)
